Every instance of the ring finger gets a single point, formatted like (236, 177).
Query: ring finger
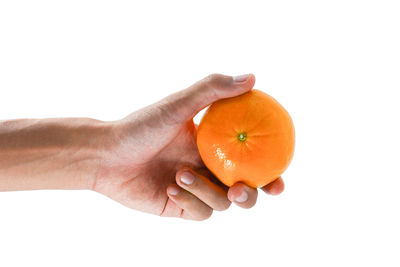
(192, 207)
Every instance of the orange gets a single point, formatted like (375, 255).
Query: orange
(247, 138)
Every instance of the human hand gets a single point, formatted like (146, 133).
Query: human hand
(151, 162)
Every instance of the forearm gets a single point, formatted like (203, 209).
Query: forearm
(62, 153)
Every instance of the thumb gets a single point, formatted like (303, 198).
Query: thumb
(185, 104)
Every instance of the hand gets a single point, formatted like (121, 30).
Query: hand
(152, 163)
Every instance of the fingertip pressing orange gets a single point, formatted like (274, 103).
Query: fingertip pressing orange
(247, 138)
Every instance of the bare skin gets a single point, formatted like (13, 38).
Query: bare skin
(141, 161)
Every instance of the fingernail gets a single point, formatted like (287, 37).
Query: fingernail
(173, 191)
(242, 198)
(240, 78)
(187, 178)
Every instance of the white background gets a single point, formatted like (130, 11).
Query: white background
(334, 65)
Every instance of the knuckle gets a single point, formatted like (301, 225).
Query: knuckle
(216, 81)
(214, 77)
(184, 202)
(212, 84)
(223, 205)
(249, 205)
(213, 80)
(206, 215)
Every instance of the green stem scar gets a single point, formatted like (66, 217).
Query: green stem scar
(242, 137)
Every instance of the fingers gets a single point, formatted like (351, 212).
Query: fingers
(274, 188)
(246, 197)
(200, 186)
(243, 195)
(198, 196)
(185, 104)
(192, 207)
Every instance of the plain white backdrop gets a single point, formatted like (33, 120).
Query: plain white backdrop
(334, 65)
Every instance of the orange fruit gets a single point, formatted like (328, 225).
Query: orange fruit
(247, 138)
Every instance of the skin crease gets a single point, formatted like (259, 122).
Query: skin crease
(139, 160)
(151, 148)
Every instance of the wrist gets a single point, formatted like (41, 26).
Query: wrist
(91, 148)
